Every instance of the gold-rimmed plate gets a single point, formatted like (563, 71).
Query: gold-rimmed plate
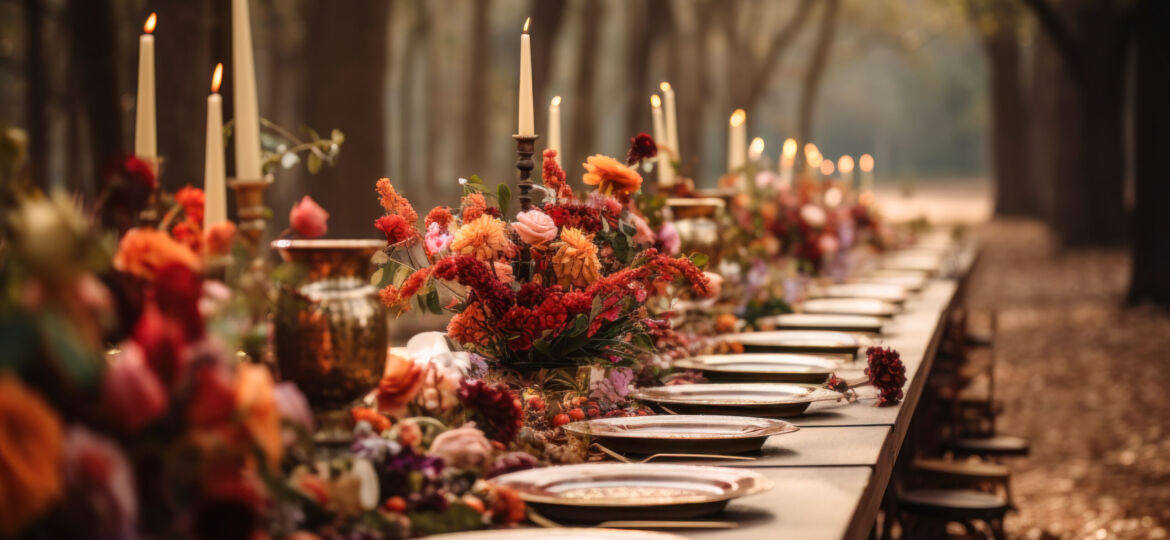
(911, 281)
(879, 291)
(923, 261)
(850, 306)
(594, 492)
(824, 321)
(681, 434)
(764, 400)
(813, 341)
(564, 533)
(761, 367)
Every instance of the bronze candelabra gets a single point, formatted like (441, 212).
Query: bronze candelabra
(525, 147)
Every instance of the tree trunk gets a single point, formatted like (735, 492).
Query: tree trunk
(1150, 281)
(584, 113)
(643, 34)
(345, 69)
(183, 82)
(92, 61)
(1013, 194)
(815, 72)
(547, 19)
(475, 119)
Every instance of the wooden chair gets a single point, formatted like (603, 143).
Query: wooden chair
(925, 513)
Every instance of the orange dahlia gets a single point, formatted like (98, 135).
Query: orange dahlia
(143, 251)
(484, 238)
(575, 261)
(610, 176)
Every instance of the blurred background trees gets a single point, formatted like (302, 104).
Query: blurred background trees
(1060, 103)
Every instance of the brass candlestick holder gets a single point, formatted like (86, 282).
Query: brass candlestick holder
(151, 214)
(525, 147)
(251, 214)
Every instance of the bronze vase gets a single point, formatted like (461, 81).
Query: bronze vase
(331, 333)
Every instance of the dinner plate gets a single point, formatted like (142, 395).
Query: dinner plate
(911, 281)
(594, 492)
(879, 291)
(850, 306)
(824, 321)
(681, 434)
(821, 341)
(921, 261)
(565, 533)
(761, 367)
(766, 400)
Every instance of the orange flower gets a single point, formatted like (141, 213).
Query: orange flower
(30, 456)
(395, 203)
(474, 205)
(611, 176)
(575, 261)
(483, 238)
(470, 326)
(725, 323)
(507, 506)
(143, 251)
(256, 402)
(400, 384)
(218, 238)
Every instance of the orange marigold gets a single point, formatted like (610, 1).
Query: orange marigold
(395, 203)
(610, 176)
(470, 326)
(575, 261)
(484, 238)
(143, 251)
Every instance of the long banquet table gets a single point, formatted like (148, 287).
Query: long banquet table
(831, 475)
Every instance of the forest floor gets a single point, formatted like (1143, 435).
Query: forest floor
(1083, 377)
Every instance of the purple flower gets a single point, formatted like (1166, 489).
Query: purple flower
(614, 387)
(668, 236)
(293, 405)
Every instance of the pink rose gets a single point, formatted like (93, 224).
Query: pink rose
(437, 238)
(293, 405)
(535, 227)
(714, 284)
(308, 219)
(503, 272)
(465, 447)
(645, 234)
(132, 394)
(670, 239)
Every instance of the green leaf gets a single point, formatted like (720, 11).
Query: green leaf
(699, 259)
(313, 163)
(376, 279)
(475, 179)
(432, 299)
(503, 197)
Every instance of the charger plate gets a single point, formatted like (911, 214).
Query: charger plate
(850, 306)
(595, 492)
(911, 281)
(681, 434)
(815, 341)
(764, 400)
(761, 367)
(880, 291)
(824, 321)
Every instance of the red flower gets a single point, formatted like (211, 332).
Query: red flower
(162, 342)
(496, 408)
(887, 373)
(440, 215)
(187, 232)
(520, 325)
(642, 146)
(191, 199)
(131, 393)
(395, 227)
(477, 276)
(553, 176)
(308, 219)
(176, 291)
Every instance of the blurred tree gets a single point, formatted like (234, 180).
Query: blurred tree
(93, 67)
(748, 70)
(826, 28)
(183, 82)
(998, 23)
(479, 53)
(1151, 260)
(345, 70)
(585, 112)
(547, 16)
(648, 21)
(1091, 37)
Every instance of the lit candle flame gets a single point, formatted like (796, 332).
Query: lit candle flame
(789, 150)
(526, 21)
(665, 86)
(833, 195)
(756, 148)
(827, 167)
(738, 117)
(810, 149)
(813, 158)
(865, 162)
(556, 101)
(845, 164)
(151, 22)
(655, 101)
(217, 78)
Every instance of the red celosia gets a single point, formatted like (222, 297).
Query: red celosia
(394, 203)
(519, 325)
(473, 207)
(411, 286)
(574, 214)
(396, 228)
(887, 373)
(497, 409)
(440, 215)
(553, 175)
(392, 298)
(475, 275)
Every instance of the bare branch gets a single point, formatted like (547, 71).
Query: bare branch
(1058, 32)
(780, 43)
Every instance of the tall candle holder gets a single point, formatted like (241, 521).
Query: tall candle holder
(525, 147)
(150, 215)
(251, 214)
